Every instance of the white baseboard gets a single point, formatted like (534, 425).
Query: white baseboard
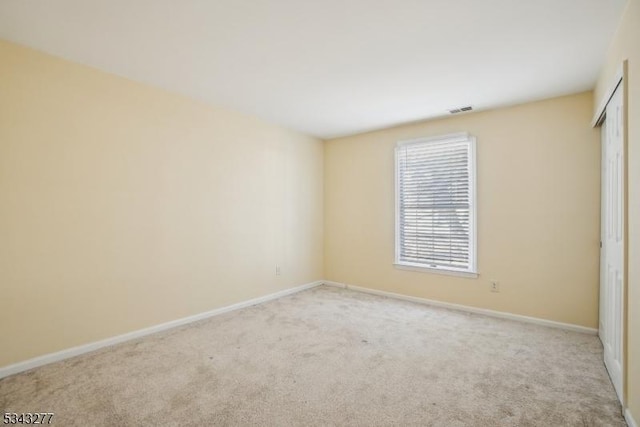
(460, 307)
(334, 284)
(630, 421)
(86, 348)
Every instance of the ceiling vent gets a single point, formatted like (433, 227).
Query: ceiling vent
(461, 109)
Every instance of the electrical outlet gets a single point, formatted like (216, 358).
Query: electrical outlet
(277, 270)
(495, 286)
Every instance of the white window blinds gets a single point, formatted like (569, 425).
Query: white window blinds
(435, 220)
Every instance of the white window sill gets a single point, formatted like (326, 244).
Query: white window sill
(446, 272)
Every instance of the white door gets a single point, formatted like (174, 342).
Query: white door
(612, 234)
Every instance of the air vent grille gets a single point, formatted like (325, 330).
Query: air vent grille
(461, 109)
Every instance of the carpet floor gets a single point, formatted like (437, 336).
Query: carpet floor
(331, 357)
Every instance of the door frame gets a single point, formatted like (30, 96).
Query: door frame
(620, 82)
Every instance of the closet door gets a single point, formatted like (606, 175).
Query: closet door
(612, 235)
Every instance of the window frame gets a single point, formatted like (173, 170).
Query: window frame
(472, 271)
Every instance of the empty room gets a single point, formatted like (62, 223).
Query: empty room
(337, 213)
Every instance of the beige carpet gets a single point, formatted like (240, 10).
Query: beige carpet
(331, 357)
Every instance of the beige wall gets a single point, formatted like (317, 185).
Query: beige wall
(123, 206)
(626, 45)
(538, 211)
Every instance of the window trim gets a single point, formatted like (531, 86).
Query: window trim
(472, 271)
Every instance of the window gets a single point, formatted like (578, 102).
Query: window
(435, 204)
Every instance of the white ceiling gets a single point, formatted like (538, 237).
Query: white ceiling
(331, 67)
